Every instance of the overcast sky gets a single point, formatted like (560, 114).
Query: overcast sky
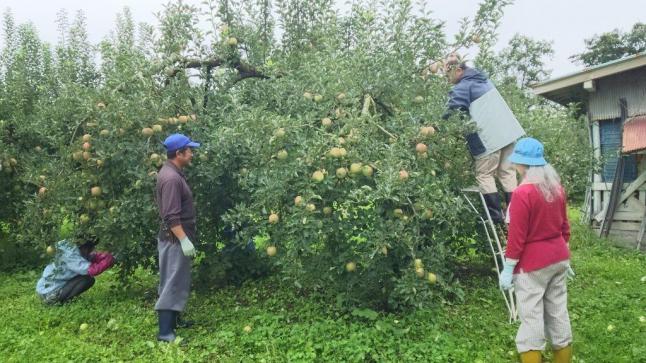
(564, 22)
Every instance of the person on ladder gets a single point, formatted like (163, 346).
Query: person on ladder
(474, 97)
(537, 259)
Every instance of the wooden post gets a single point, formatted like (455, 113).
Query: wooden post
(597, 204)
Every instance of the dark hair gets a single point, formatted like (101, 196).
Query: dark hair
(88, 241)
(172, 154)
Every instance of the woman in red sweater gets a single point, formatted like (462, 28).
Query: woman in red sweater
(537, 259)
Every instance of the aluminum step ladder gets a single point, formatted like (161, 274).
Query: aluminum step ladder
(497, 249)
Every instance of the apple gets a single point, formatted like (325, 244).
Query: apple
(610, 328)
(341, 141)
(355, 168)
(326, 122)
(298, 201)
(310, 207)
(318, 176)
(50, 250)
(427, 131)
(418, 99)
(84, 218)
(341, 173)
(42, 191)
(340, 96)
(419, 271)
(157, 128)
(154, 157)
(403, 175)
(38, 148)
(86, 138)
(350, 266)
(307, 95)
(278, 133)
(232, 41)
(96, 191)
(273, 218)
(398, 212)
(318, 98)
(104, 133)
(418, 263)
(83, 327)
(271, 251)
(475, 38)
(367, 170)
(99, 163)
(282, 155)
(247, 329)
(86, 155)
(147, 131)
(42, 178)
(435, 67)
(86, 146)
(642, 319)
(421, 148)
(182, 119)
(432, 279)
(327, 211)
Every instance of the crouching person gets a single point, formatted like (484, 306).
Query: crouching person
(537, 258)
(73, 271)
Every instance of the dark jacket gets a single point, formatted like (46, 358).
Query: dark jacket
(175, 202)
(472, 85)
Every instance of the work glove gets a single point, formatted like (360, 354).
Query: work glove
(570, 272)
(187, 247)
(507, 274)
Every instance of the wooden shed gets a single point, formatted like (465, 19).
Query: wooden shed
(613, 95)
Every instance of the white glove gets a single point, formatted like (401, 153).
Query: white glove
(187, 247)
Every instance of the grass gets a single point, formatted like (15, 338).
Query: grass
(287, 326)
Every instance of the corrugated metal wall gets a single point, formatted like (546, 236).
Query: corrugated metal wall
(610, 132)
(604, 103)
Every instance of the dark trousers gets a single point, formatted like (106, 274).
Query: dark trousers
(75, 287)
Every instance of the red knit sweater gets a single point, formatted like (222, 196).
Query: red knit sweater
(538, 231)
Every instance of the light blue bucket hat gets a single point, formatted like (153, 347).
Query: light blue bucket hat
(528, 151)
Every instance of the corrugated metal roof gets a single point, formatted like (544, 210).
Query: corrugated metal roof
(553, 88)
(634, 135)
(631, 85)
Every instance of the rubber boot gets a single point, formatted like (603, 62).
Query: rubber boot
(563, 355)
(493, 205)
(166, 323)
(532, 356)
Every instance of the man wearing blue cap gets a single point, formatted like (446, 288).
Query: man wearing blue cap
(177, 229)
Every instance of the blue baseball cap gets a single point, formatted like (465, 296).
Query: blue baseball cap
(178, 141)
(528, 151)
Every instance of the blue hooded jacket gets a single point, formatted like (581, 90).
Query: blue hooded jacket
(67, 264)
(472, 85)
